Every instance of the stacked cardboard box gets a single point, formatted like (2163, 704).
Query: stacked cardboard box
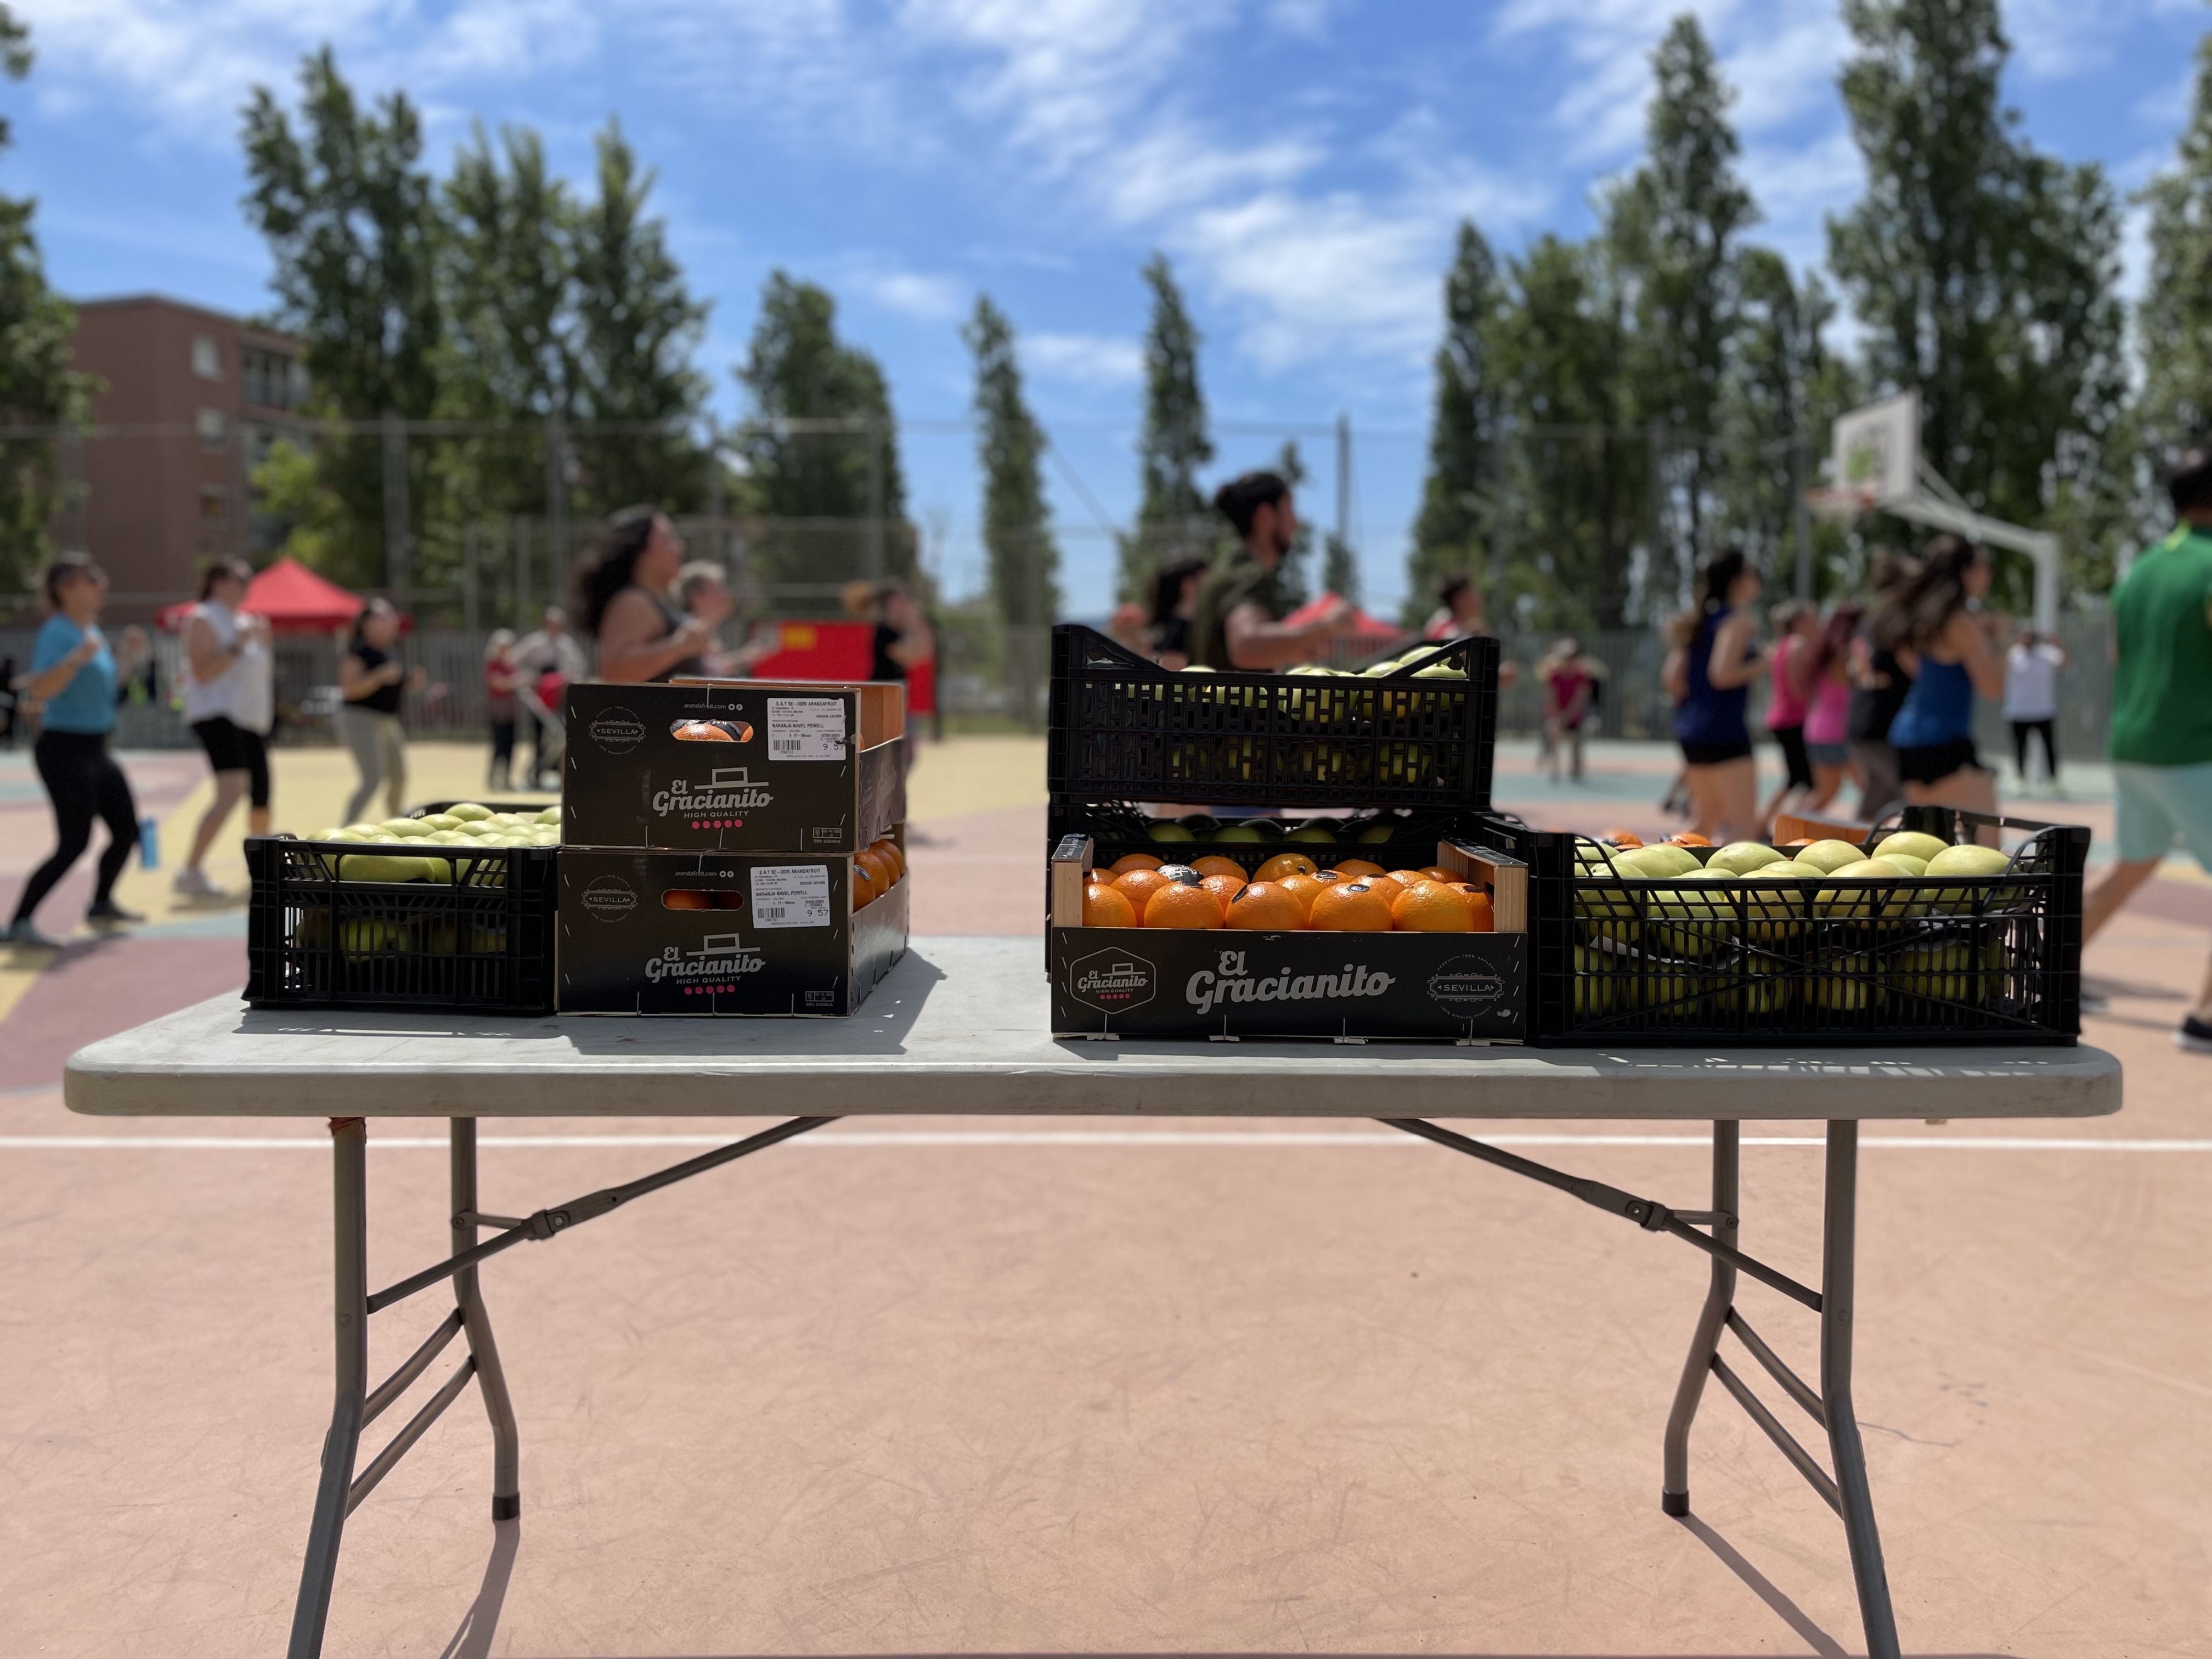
(709, 832)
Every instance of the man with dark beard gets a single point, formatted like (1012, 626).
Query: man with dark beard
(1237, 621)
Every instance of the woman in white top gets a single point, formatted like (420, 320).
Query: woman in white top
(229, 703)
(2031, 702)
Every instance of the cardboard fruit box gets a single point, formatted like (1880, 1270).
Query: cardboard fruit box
(1351, 988)
(734, 766)
(770, 934)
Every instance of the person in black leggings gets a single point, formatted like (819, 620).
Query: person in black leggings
(73, 674)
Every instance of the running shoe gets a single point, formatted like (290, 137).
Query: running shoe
(107, 910)
(24, 934)
(194, 884)
(2194, 1035)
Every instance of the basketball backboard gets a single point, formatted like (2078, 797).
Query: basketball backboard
(1877, 449)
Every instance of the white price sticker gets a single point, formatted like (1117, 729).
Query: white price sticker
(791, 896)
(805, 729)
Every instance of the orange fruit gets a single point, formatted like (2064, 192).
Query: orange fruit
(1178, 906)
(1358, 867)
(1437, 872)
(1266, 907)
(1353, 907)
(1225, 888)
(1103, 907)
(891, 850)
(1617, 837)
(878, 867)
(1484, 918)
(1409, 877)
(1284, 864)
(684, 898)
(865, 889)
(1430, 907)
(1138, 886)
(1129, 862)
(1330, 878)
(1214, 864)
(1689, 838)
(1303, 889)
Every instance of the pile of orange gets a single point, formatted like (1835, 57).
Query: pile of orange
(877, 868)
(1287, 894)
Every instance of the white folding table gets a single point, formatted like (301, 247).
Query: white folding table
(960, 1026)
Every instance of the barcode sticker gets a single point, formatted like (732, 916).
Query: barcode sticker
(805, 729)
(791, 896)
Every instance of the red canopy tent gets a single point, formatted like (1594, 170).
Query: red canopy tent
(294, 597)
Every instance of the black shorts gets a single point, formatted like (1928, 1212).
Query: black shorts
(1716, 754)
(231, 748)
(1794, 754)
(1936, 762)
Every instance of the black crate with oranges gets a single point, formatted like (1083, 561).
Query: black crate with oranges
(1255, 855)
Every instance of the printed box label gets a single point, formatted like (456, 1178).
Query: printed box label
(805, 729)
(791, 896)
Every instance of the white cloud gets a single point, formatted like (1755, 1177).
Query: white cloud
(192, 65)
(1098, 360)
(1306, 18)
(923, 295)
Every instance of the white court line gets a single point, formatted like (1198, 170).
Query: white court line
(868, 1137)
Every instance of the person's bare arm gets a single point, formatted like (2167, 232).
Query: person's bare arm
(51, 683)
(632, 647)
(912, 648)
(1970, 637)
(1674, 674)
(205, 652)
(1730, 665)
(1257, 641)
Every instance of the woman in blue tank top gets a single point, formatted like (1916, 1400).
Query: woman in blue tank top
(1931, 624)
(1710, 678)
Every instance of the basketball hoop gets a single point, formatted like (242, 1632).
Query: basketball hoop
(1840, 505)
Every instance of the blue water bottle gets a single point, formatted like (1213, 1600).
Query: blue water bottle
(149, 842)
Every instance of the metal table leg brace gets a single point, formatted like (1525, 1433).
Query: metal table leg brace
(357, 1404)
(1830, 1406)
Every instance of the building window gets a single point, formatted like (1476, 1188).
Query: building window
(214, 502)
(270, 379)
(213, 429)
(207, 357)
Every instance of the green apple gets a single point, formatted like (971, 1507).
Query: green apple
(1672, 991)
(1237, 833)
(468, 809)
(1197, 668)
(379, 866)
(1315, 830)
(368, 832)
(550, 815)
(405, 828)
(1772, 903)
(1597, 979)
(359, 935)
(1757, 986)
(1440, 670)
(1980, 863)
(1742, 857)
(1664, 862)
(1942, 972)
(1914, 842)
(1381, 831)
(1847, 985)
(1688, 922)
(1830, 855)
(1199, 823)
(441, 820)
(1867, 902)
(1906, 862)
(1163, 830)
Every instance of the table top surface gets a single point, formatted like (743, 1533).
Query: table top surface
(960, 1026)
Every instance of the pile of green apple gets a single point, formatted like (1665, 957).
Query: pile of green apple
(402, 844)
(1320, 832)
(1702, 947)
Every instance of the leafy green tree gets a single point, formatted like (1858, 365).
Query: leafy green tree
(1454, 528)
(638, 396)
(2173, 326)
(1024, 560)
(1984, 273)
(1576, 481)
(821, 448)
(1173, 518)
(1673, 230)
(353, 225)
(38, 388)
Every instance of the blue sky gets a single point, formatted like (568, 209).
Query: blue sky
(1301, 161)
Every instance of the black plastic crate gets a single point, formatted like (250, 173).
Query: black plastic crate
(482, 940)
(1896, 962)
(1125, 729)
(1120, 828)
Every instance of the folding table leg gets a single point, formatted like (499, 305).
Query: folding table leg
(491, 1381)
(1720, 1295)
(1838, 1254)
(350, 1209)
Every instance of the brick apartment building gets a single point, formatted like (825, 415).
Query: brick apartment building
(193, 401)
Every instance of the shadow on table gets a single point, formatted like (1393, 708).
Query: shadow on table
(1766, 1590)
(481, 1622)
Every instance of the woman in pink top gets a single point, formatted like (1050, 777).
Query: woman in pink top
(1827, 717)
(1795, 625)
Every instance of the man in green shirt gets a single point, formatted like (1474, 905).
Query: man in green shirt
(2161, 733)
(1237, 621)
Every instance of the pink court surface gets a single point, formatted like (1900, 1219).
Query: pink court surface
(921, 1386)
